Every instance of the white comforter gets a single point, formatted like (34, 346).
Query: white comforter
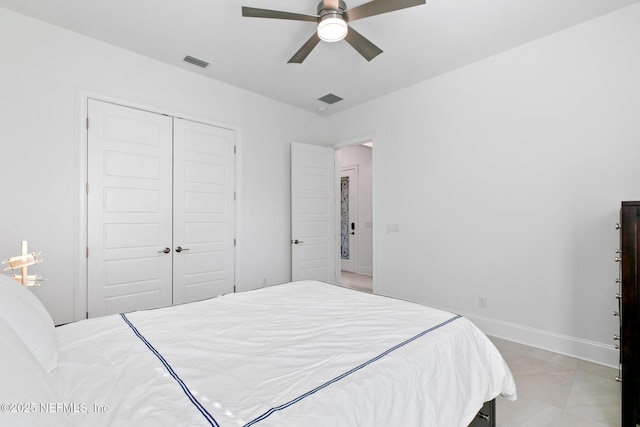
(299, 354)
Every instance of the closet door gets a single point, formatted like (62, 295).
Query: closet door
(129, 205)
(203, 222)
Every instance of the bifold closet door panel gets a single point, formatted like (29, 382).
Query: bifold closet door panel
(129, 208)
(203, 213)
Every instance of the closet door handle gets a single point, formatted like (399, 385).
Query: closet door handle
(180, 249)
(165, 251)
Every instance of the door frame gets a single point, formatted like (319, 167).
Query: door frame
(82, 96)
(358, 140)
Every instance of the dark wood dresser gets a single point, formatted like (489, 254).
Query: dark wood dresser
(629, 258)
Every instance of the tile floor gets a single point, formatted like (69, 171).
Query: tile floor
(556, 390)
(358, 282)
(553, 390)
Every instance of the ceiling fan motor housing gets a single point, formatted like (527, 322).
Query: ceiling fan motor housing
(342, 6)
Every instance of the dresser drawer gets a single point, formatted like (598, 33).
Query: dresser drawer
(486, 416)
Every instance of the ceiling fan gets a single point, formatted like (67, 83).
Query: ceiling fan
(332, 18)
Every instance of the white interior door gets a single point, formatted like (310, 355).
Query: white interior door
(312, 213)
(349, 226)
(129, 209)
(203, 230)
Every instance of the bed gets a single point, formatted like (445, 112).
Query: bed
(298, 354)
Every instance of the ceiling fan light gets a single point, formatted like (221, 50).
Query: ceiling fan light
(332, 28)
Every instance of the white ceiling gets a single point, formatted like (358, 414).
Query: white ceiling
(252, 53)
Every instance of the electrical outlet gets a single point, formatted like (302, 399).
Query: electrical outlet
(482, 302)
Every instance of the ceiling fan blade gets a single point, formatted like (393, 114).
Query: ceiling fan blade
(376, 7)
(305, 50)
(360, 43)
(253, 12)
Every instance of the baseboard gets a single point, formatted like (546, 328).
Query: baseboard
(590, 351)
(367, 271)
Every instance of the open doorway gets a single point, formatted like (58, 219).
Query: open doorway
(354, 164)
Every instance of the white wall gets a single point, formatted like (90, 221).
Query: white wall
(44, 68)
(505, 179)
(361, 156)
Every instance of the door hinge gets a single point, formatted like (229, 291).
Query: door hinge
(87, 251)
(87, 315)
(235, 149)
(87, 124)
(234, 242)
(87, 187)
(234, 289)
(234, 195)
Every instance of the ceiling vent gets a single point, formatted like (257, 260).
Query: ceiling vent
(196, 61)
(330, 99)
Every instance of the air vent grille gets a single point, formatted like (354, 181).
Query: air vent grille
(330, 99)
(196, 61)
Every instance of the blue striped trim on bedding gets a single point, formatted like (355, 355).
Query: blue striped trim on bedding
(357, 368)
(175, 376)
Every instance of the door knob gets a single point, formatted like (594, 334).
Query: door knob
(180, 249)
(295, 242)
(165, 251)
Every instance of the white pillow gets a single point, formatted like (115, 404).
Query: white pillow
(27, 390)
(24, 312)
